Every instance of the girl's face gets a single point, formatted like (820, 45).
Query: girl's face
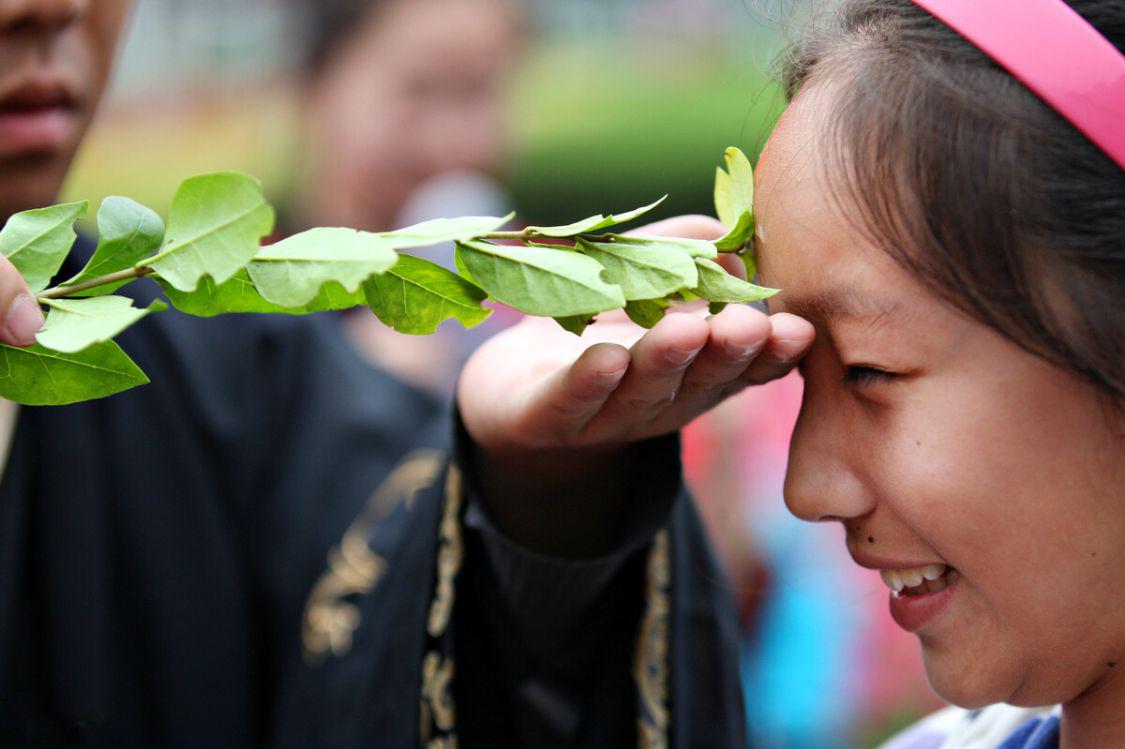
(935, 441)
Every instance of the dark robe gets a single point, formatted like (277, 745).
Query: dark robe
(222, 558)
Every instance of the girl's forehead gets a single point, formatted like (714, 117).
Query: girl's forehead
(806, 244)
(798, 131)
(792, 203)
(792, 194)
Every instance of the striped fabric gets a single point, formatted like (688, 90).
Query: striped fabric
(994, 727)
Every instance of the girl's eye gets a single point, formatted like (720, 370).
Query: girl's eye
(863, 375)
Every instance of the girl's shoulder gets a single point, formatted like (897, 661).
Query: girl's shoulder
(986, 728)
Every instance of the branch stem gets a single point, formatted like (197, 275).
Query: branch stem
(530, 236)
(122, 275)
(522, 236)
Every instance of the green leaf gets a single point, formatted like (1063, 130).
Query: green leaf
(723, 189)
(643, 271)
(75, 324)
(239, 295)
(576, 324)
(691, 247)
(462, 269)
(716, 285)
(127, 233)
(290, 273)
(538, 281)
(593, 223)
(737, 237)
(749, 263)
(415, 296)
(332, 296)
(38, 376)
(442, 230)
(215, 225)
(210, 299)
(646, 312)
(734, 189)
(38, 241)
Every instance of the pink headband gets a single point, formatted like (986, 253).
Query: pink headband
(1054, 52)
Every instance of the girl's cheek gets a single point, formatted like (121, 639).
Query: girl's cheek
(925, 472)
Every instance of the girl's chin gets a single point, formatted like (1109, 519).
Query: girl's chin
(965, 681)
(974, 677)
(967, 699)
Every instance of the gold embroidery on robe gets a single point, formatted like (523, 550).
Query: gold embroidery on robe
(438, 711)
(330, 619)
(437, 680)
(451, 553)
(425, 720)
(650, 664)
(449, 742)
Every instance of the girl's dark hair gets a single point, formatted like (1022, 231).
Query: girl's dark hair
(973, 184)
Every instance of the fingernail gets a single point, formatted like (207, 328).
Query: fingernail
(609, 379)
(742, 351)
(23, 321)
(792, 348)
(680, 356)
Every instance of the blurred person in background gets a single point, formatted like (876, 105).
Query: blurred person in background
(402, 119)
(396, 93)
(163, 575)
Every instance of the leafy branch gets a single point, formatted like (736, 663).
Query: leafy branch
(209, 260)
(74, 289)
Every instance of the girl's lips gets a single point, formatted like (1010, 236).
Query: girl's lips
(912, 612)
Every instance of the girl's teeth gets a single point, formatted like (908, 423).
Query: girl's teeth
(933, 571)
(892, 580)
(926, 579)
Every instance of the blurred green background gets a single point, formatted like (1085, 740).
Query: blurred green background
(616, 130)
(605, 112)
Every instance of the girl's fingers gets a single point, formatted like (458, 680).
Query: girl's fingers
(559, 410)
(659, 360)
(738, 334)
(790, 339)
(22, 317)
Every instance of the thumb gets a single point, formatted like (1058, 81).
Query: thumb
(22, 317)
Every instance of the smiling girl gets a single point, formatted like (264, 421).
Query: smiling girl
(947, 207)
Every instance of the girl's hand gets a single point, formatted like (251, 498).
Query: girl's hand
(536, 387)
(552, 415)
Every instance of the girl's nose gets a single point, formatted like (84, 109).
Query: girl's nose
(821, 483)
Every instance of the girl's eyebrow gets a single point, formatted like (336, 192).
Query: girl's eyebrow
(842, 303)
(847, 303)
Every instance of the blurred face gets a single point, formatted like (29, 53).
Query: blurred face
(55, 57)
(987, 487)
(415, 92)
